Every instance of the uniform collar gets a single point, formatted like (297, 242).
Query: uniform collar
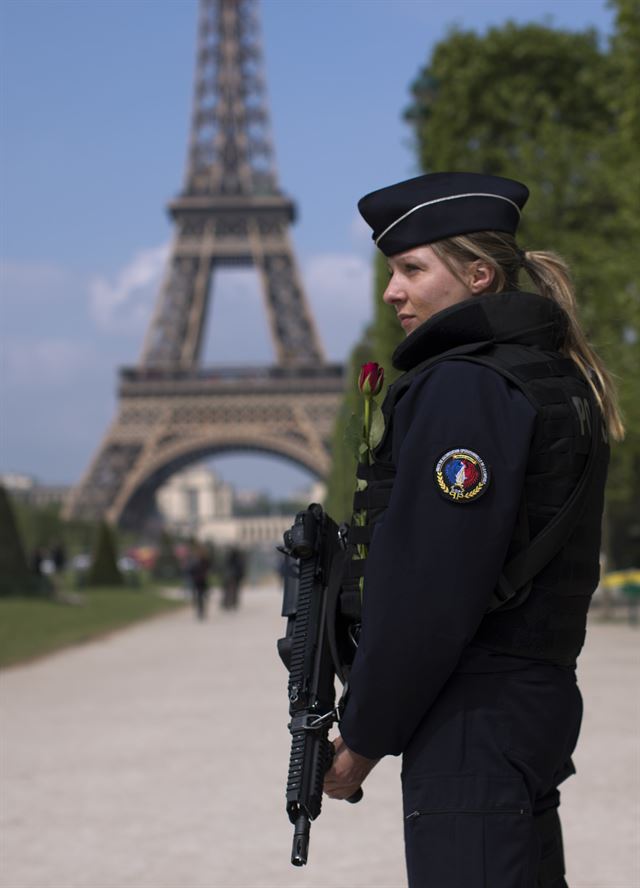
(512, 316)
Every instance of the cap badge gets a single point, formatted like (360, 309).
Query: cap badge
(461, 475)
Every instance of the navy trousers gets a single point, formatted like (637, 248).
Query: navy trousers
(480, 778)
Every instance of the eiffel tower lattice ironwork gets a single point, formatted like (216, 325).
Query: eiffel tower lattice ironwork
(172, 411)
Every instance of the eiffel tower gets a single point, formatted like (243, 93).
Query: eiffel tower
(172, 411)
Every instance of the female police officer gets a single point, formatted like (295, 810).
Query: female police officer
(485, 503)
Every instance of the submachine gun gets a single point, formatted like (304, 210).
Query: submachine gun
(319, 645)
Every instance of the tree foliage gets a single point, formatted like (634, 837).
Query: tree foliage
(41, 527)
(342, 478)
(15, 576)
(104, 570)
(167, 567)
(621, 163)
(386, 333)
(558, 112)
(377, 343)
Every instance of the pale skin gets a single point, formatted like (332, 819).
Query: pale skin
(420, 285)
(348, 771)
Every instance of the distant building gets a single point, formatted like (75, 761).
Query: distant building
(247, 499)
(196, 502)
(29, 490)
(192, 498)
(316, 492)
(18, 485)
(253, 532)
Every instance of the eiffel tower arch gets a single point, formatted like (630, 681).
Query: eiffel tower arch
(231, 212)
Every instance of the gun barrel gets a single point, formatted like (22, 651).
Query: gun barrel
(300, 849)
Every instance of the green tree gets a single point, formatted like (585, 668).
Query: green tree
(39, 525)
(342, 478)
(548, 107)
(385, 332)
(377, 343)
(104, 570)
(620, 156)
(625, 49)
(15, 576)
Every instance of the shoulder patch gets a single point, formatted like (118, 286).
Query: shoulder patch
(461, 475)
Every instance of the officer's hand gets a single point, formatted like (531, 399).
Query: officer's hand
(347, 772)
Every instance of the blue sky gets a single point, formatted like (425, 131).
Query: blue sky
(95, 98)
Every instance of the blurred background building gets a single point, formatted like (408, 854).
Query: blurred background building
(192, 498)
(28, 489)
(197, 503)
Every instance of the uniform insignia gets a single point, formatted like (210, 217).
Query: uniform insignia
(461, 475)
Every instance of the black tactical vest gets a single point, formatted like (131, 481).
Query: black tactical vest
(539, 612)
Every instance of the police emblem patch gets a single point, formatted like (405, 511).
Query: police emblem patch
(461, 475)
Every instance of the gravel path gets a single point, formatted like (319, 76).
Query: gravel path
(156, 758)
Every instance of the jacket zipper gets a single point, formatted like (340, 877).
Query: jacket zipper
(415, 814)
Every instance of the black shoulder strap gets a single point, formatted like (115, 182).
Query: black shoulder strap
(522, 568)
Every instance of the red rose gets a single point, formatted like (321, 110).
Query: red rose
(371, 378)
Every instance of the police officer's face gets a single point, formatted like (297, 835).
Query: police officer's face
(420, 284)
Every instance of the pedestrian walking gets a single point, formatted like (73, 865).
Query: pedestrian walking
(234, 570)
(59, 557)
(484, 505)
(37, 561)
(198, 568)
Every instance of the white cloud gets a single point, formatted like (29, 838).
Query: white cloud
(125, 305)
(340, 290)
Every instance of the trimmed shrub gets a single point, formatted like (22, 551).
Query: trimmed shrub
(104, 570)
(15, 576)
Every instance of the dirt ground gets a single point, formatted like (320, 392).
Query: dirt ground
(157, 758)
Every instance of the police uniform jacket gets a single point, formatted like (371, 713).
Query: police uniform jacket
(485, 378)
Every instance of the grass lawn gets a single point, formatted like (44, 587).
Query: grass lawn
(30, 627)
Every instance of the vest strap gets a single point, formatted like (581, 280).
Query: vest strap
(514, 583)
(360, 536)
(376, 496)
(546, 369)
(524, 566)
(354, 569)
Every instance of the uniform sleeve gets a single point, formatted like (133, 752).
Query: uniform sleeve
(433, 563)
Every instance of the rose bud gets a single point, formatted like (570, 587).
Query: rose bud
(371, 378)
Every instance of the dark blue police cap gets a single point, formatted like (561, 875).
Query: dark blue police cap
(439, 205)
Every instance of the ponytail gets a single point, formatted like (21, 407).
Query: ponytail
(550, 276)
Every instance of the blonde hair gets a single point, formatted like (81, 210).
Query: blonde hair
(550, 275)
